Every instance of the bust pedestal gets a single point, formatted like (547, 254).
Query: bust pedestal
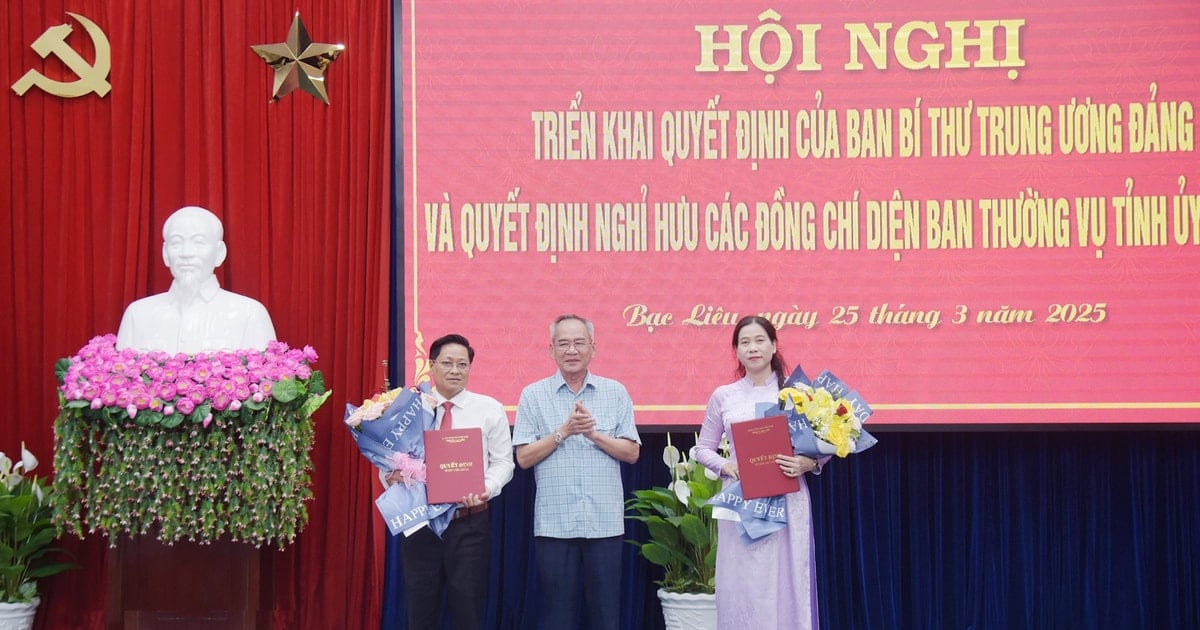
(189, 586)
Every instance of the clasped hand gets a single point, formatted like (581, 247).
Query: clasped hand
(579, 422)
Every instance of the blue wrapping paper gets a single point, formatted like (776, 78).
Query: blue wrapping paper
(400, 429)
(804, 439)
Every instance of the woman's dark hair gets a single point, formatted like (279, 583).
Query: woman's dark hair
(777, 362)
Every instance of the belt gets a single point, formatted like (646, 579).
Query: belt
(465, 511)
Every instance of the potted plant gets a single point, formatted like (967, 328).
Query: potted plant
(683, 539)
(27, 535)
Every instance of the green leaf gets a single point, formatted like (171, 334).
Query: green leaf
(50, 569)
(694, 530)
(659, 554)
(60, 368)
(172, 421)
(702, 492)
(656, 501)
(287, 390)
(316, 383)
(36, 542)
(112, 415)
(313, 403)
(200, 413)
(663, 531)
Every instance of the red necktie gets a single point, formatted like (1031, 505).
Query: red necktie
(447, 417)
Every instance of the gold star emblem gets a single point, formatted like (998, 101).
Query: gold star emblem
(299, 62)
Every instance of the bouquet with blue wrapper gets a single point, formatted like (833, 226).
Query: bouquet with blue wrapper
(389, 430)
(825, 418)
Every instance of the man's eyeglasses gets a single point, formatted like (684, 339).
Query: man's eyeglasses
(450, 365)
(565, 344)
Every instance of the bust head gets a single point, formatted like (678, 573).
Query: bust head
(193, 244)
(216, 319)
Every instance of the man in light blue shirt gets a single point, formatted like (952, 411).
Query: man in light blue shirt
(574, 428)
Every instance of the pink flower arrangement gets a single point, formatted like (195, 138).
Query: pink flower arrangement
(154, 387)
(202, 447)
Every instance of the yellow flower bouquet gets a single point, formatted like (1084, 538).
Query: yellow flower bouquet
(825, 416)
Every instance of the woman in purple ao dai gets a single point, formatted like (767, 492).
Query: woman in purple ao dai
(770, 582)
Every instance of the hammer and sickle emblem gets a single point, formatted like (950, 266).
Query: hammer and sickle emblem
(92, 78)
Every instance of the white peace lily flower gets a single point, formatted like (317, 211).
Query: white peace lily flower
(682, 491)
(670, 456)
(711, 475)
(681, 470)
(10, 475)
(27, 459)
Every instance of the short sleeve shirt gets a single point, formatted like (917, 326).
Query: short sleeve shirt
(579, 490)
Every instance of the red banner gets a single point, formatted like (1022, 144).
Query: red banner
(970, 213)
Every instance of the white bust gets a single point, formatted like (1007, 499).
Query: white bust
(195, 314)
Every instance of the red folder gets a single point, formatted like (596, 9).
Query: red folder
(757, 442)
(453, 464)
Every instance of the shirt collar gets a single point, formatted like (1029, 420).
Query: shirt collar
(561, 381)
(458, 399)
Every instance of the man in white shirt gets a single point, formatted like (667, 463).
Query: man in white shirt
(195, 314)
(457, 563)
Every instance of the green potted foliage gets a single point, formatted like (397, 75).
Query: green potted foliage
(683, 536)
(27, 537)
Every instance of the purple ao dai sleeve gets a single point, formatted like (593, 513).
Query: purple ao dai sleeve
(710, 436)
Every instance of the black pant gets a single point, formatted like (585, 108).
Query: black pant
(571, 568)
(457, 564)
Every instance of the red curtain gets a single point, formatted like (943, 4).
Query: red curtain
(303, 189)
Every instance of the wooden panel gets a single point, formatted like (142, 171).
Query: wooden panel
(188, 586)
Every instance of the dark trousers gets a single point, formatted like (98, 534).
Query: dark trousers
(570, 567)
(456, 564)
